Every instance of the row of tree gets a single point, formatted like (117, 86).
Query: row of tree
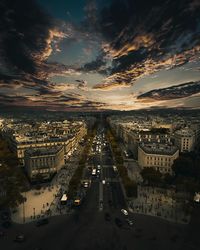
(75, 181)
(12, 179)
(129, 185)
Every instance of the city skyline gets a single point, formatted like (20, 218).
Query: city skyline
(109, 180)
(100, 55)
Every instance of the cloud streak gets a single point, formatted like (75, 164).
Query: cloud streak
(174, 92)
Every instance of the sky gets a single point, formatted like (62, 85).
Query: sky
(91, 55)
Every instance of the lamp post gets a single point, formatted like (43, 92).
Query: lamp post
(34, 213)
(24, 200)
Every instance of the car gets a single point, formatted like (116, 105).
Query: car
(124, 211)
(107, 216)
(19, 238)
(86, 185)
(130, 222)
(118, 222)
(42, 222)
(115, 168)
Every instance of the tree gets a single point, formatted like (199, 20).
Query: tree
(12, 179)
(152, 176)
(129, 186)
(13, 183)
(183, 166)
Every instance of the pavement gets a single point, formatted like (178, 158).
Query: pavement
(45, 202)
(159, 202)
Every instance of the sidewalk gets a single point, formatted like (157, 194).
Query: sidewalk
(46, 201)
(159, 202)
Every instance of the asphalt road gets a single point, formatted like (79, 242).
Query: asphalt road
(87, 228)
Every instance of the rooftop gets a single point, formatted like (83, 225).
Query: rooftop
(157, 148)
(185, 132)
(42, 151)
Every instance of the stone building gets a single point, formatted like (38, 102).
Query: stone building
(184, 139)
(43, 161)
(158, 156)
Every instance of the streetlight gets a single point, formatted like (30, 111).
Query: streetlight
(24, 200)
(34, 213)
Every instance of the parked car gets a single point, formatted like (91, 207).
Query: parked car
(19, 238)
(124, 211)
(42, 222)
(130, 222)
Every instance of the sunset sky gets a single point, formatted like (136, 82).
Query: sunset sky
(92, 55)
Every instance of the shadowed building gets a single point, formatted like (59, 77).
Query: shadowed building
(43, 161)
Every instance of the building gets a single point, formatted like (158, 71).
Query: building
(43, 161)
(133, 131)
(158, 156)
(184, 139)
(21, 137)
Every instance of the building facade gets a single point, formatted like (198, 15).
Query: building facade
(43, 161)
(48, 135)
(185, 139)
(158, 156)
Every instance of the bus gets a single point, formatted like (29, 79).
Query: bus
(63, 200)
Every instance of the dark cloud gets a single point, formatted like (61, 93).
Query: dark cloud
(24, 29)
(82, 84)
(98, 65)
(9, 99)
(145, 36)
(174, 92)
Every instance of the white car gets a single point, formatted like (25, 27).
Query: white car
(124, 211)
(86, 184)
